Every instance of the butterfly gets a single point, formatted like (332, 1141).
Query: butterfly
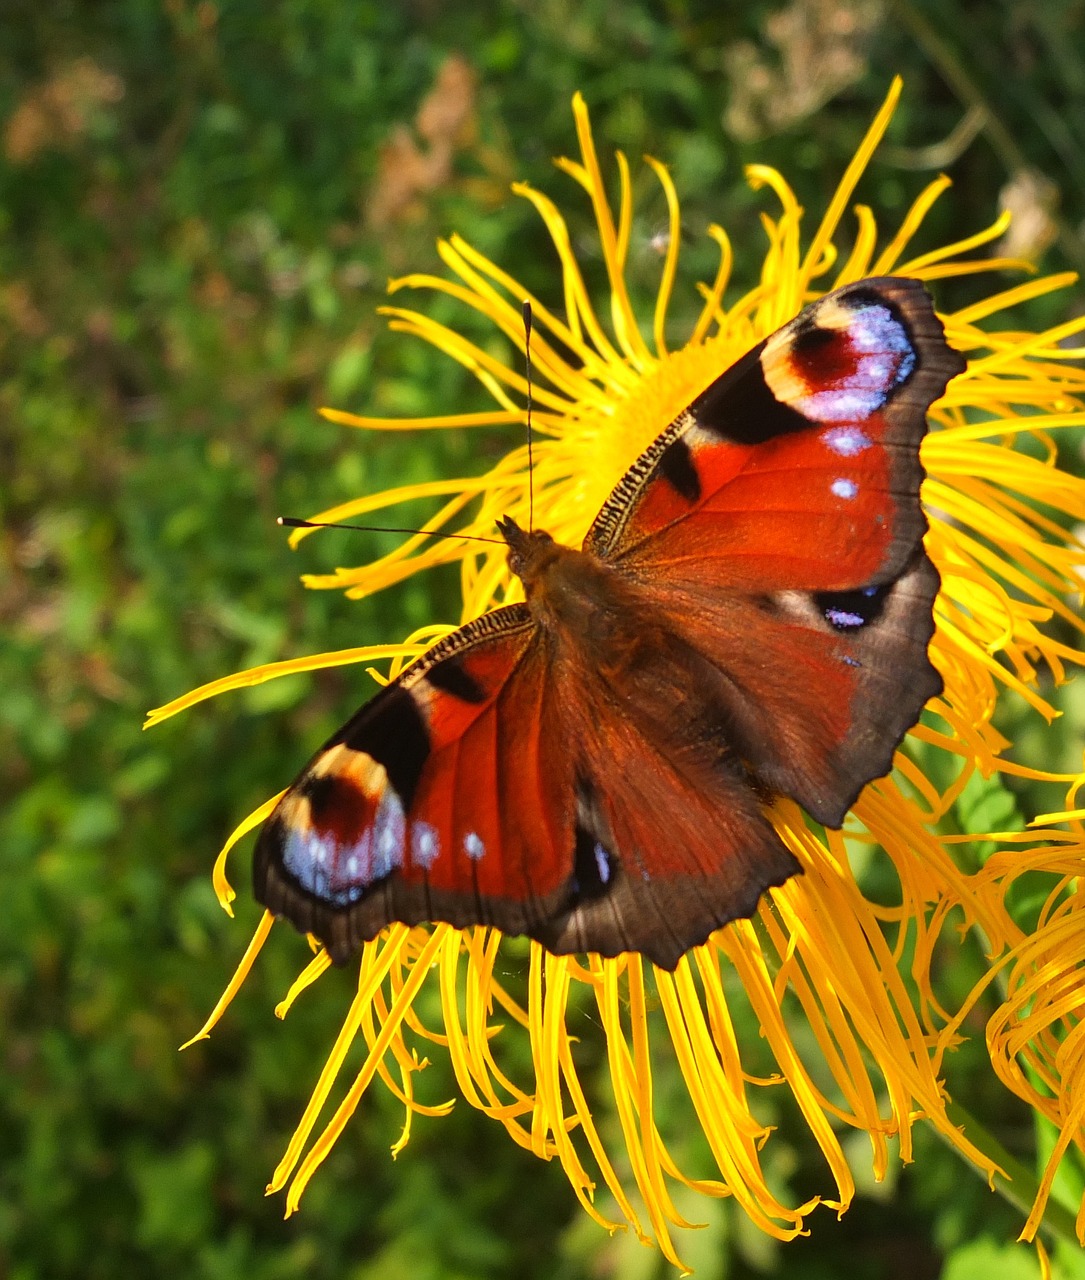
(749, 616)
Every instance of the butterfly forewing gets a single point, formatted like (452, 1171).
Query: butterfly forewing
(449, 796)
(798, 468)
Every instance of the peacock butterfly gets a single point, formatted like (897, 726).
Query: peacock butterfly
(748, 616)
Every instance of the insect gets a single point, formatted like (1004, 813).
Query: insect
(748, 616)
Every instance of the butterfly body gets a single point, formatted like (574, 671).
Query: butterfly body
(748, 616)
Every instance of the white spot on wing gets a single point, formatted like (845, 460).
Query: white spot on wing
(848, 442)
(844, 488)
(473, 846)
(425, 845)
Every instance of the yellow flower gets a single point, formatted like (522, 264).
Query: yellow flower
(841, 985)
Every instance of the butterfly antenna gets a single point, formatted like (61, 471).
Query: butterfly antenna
(530, 459)
(292, 522)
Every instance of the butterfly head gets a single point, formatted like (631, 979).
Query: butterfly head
(529, 551)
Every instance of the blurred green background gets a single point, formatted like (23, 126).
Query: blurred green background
(200, 205)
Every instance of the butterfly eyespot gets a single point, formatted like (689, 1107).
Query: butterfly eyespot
(335, 861)
(842, 361)
(595, 868)
(849, 610)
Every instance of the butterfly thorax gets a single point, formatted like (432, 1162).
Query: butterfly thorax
(574, 596)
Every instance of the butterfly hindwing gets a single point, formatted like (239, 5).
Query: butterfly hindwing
(821, 688)
(671, 839)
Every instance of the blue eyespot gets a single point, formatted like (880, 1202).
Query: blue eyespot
(844, 618)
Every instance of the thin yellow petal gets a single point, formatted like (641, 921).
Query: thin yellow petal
(1014, 297)
(828, 225)
(670, 262)
(224, 891)
(347, 1107)
(626, 330)
(920, 265)
(866, 237)
(493, 418)
(782, 262)
(240, 974)
(271, 671)
(376, 962)
(319, 965)
(713, 295)
(887, 260)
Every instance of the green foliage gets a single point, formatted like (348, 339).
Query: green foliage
(189, 266)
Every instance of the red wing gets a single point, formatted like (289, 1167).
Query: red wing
(449, 796)
(777, 525)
